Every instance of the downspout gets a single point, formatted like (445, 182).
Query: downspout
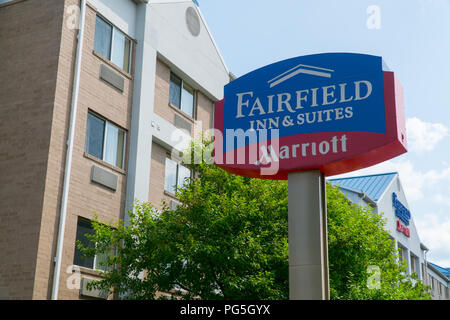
(68, 166)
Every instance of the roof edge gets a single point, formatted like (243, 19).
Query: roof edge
(360, 193)
(368, 175)
(432, 266)
(389, 185)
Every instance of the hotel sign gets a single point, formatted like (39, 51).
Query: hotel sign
(402, 214)
(336, 112)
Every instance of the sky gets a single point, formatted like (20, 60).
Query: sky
(413, 38)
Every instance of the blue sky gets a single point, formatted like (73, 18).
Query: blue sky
(413, 36)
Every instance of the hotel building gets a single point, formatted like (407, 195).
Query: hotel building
(95, 95)
(384, 193)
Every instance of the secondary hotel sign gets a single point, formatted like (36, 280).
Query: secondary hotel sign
(336, 112)
(402, 214)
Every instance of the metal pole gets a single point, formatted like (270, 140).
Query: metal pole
(73, 116)
(308, 245)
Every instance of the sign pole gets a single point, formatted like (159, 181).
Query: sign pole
(308, 244)
(369, 129)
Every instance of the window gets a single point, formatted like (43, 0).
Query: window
(84, 228)
(431, 283)
(112, 44)
(413, 264)
(403, 254)
(175, 176)
(105, 141)
(181, 95)
(424, 274)
(103, 36)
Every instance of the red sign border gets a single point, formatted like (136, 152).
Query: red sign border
(370, 148)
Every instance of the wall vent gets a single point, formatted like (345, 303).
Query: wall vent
(193, 21)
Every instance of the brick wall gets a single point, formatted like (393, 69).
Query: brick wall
(30, 33)
(86, 198)
(203, 112)
(35, 99)
(156, 193)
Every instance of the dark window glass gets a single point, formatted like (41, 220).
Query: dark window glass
(94, 136)
(83, 227)
(103, 36)
(175, 91)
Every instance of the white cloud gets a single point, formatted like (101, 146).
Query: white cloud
(424, 136)
(414, 181)
(427, 189)
(433, 224)
(434, 232)
(441, 199)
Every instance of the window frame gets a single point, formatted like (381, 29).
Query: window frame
(87, 221)
(194, 95)
(413, 264)
(130, 51)
(114, 30)
(105, 134)
(403, 255)
(178, 164)
(95, 263)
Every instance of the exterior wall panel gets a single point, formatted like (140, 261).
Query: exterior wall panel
(30, 34)
(86, 198)
(39, 46)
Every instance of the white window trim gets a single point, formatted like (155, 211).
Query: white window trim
(105, 134)
(94, 263)
(94, 267)
(176, 174)
(194, 100)
(111, 47)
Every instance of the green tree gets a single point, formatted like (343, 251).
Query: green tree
(360, 250)
(228, 240)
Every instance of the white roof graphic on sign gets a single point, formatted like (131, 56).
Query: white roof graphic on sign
(301, 68)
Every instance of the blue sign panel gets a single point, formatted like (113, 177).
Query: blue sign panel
(330, 92)
(400, 210)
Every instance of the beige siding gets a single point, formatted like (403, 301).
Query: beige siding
(30, 33)
(38, 77)
(86, 198)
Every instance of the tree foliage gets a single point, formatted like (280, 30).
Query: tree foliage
(360, 250)
(228, 240)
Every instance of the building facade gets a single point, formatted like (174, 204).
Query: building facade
(384, 193)
(97, 99)
(439, 281)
